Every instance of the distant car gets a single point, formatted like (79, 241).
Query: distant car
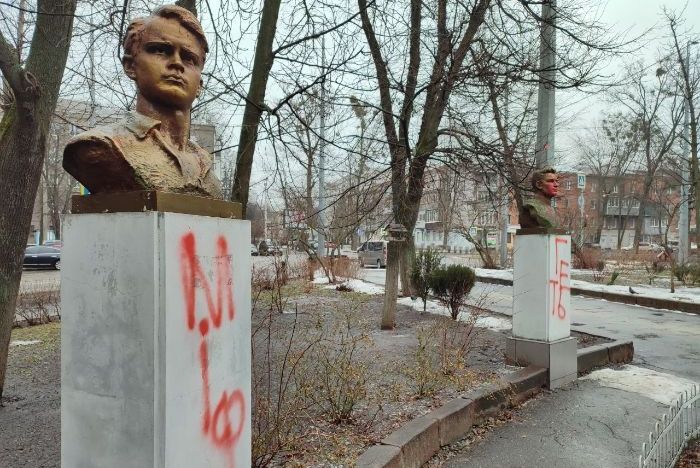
(373, 253)
(269, 247)
(253, 250)
(58, 243)
(41, 256)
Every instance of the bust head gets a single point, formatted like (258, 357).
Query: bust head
(546, 182)
(164, 54)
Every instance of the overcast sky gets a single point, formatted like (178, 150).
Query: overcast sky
(579, 111)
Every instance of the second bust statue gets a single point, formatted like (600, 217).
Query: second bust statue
(150, 150)
(537, 211)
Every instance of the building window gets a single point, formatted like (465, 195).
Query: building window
(614, 202)
(654, 222)
(567, 184)
(635, 203)
(594, 204)
(631, 223)
(594, 186)
(614, 188)
(611, 223)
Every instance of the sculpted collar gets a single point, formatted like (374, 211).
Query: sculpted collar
(140, 125)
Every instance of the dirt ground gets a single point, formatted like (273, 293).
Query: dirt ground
(354, 386)
(690, 458)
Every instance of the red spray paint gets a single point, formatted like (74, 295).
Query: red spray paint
(217, 424)
(560, 282)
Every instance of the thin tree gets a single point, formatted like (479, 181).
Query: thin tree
(24, 130)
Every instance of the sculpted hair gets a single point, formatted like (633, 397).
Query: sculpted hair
(132, 38)
(538, 176)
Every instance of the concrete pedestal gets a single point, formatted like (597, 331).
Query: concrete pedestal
(541, 305)
(155, 351)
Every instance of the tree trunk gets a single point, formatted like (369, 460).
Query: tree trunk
(262, 65)
(391, 286)
(408, 252)
(23, 134)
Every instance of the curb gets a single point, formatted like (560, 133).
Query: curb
(652, 302)
(418, 440)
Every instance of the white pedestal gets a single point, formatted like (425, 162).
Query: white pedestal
(155, 352)
(541, 305)
(541, 286)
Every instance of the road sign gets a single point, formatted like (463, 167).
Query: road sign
(581, 200)
(582, 181)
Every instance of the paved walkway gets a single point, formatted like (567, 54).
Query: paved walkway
(583, 425)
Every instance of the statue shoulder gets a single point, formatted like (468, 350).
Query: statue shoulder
(96, 160)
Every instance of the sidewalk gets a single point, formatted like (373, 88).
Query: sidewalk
(580, 426)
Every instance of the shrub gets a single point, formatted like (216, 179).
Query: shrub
(424, 262)
(451, 285)
(688, 273)
(613, 278)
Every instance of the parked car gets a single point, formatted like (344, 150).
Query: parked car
(253, 250)
(373, 253)
(58, 243)
(41, 256)
(269, 247)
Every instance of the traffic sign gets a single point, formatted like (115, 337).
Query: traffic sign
(582, 181)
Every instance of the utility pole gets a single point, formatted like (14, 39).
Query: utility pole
(684, 215)
(544, 151)
(505, 221)
(321, 247)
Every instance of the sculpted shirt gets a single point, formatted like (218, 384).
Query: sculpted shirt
(536, 213)
(134, 155)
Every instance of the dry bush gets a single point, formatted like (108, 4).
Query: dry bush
(279, 348)
(38, 303)
(335, 379)
(587, 258)
(344, 267)
(441, 356)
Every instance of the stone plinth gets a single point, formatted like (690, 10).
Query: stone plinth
(541, 304)
(155, 351)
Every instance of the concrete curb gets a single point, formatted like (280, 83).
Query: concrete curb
(652, 302)
(416, 442)
(616, 352)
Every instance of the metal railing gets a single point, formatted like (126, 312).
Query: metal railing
(672, 433)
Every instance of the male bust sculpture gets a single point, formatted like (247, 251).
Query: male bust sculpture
(537, 211)
(150, 150)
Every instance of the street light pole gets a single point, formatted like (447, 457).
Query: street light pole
(684, 215)
(544, 151)
(321, 247)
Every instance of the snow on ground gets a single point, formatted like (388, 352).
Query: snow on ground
(664, 388)
(682, 294)
(359, 286)
(24, 343)
(434, 307)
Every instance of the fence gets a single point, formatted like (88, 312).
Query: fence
(672, 433)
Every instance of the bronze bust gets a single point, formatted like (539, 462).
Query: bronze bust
(150, 150)
(537, 211)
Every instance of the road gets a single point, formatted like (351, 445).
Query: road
(666, 341)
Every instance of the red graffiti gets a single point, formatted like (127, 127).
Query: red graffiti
(560, 282)
(218, 425)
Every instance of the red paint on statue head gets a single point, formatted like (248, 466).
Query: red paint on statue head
(549, 185)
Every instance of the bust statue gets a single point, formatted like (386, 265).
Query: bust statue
(150, 150)
(537, 211)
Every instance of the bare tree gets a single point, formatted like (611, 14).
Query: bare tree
(656, 104)
(23, 134)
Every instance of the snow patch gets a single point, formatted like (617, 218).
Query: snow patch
(359, 286)
(434, 307)
(691, 295)
(664, 388)
(24, 343)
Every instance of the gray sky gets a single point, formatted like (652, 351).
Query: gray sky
(579, 111)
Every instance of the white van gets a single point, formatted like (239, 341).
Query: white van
(373, 253)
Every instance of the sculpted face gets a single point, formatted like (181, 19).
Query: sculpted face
(549, 185)
(167, 65)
